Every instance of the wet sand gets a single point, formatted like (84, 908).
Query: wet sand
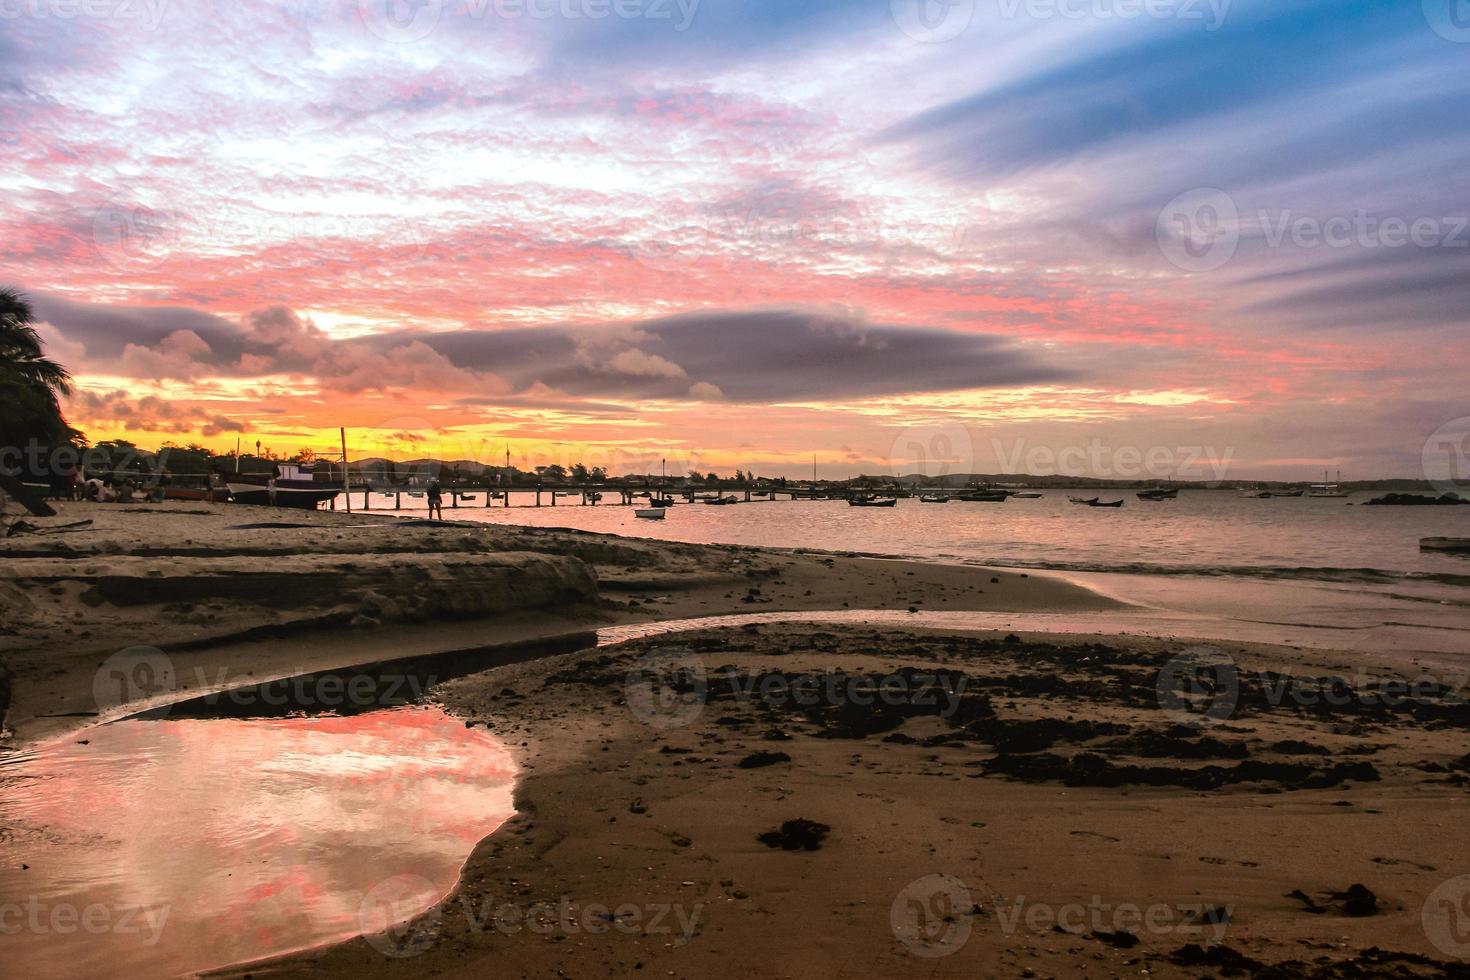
(1024, 832)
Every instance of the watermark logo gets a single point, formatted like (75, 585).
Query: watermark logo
(401, 21)
(135, 236)
(1450, 19)
(933, 21)
(389, 916)
(1201, 686)
(1446, 917)
(932, 451)
(147, 13)
(1199, 230)
(568, 917)
(933, 916)
(1096, 458)
(140, 673)
(1446, 457)
(1211, 12)
(66, 919)
(667, 687)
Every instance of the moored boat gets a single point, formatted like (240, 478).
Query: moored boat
(1106, 503)
(866, 500)
(934, 498)
(650, 513)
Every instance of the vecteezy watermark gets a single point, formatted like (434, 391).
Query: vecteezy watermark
(407, 21)
(147, 13)
(1446, 457)
(398, 916)
(136, 236)
(1446, 917)
(935, 916)
(1211, 13)
(932, 451)
(1097, 916)
(66, 919)
(568, 917)
(667, 687)
(1203, 686)
(1199, 230)
(932, 21)
(139, 673)
(1101, 460)
(1200, 685)
(1450, 19)
(1203, 229)
(932, 916)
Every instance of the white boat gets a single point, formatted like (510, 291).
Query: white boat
(650, 513)
(296, 486)
(934, 498)
(1326, 489)
(1028, 495)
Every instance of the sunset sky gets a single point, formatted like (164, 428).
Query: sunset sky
(736, 233)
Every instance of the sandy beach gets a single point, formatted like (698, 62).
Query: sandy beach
(807, 799)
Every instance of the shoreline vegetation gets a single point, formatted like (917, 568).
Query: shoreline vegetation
(951, 827)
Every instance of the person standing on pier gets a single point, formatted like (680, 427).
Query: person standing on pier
(436, 500)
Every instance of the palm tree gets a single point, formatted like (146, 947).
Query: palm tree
(31, 385)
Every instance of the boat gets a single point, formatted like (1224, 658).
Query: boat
(1157, 493)
(934, 498)
(1325, 489)
(650, 513)
(1255, 493)
(722, 501)
(864, 500)
(1028, 495)
(985, 496)
(1084, 501)
(657, 501)
(295, 487)
(469, 496)
(197, 495)
(1287, 493)
(1106, 503)
(1461, 545)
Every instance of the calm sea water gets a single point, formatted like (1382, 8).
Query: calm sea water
(1202, 531)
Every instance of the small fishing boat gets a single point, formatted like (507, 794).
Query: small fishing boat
(1254, 493)
(1084, 501)
(658, 501)
(469, 496)
(1106, 503)
(865, 500)
(650, 513)
(1157, 493)
(1028, 495)
(934, 498)
(722, 501)
(984, 496)
(1288, 493)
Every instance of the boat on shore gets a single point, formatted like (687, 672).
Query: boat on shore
(295, 487)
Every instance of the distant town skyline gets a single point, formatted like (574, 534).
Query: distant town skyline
(902, 236)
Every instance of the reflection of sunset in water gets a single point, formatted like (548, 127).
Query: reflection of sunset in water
(212, 842)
